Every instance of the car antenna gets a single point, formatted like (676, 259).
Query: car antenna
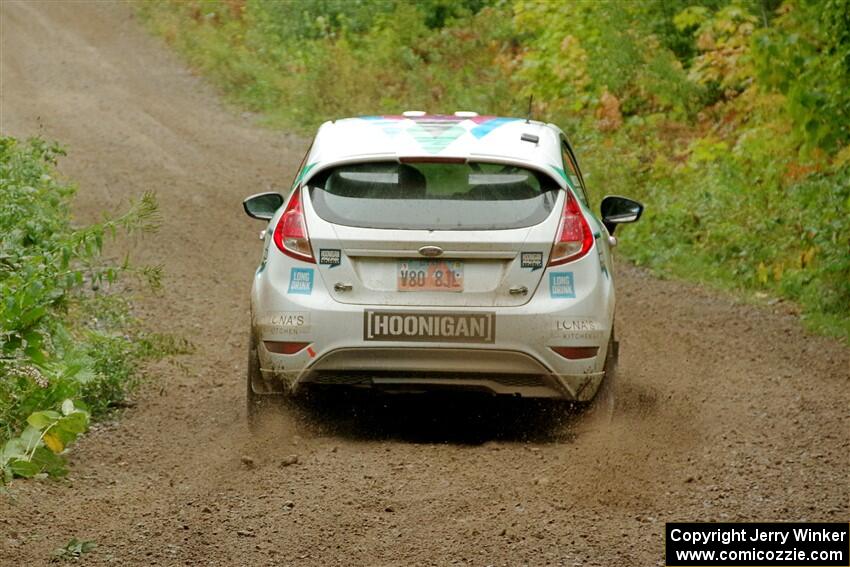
(528, 116)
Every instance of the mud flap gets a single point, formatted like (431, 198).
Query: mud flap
(260, 397)
(605, 401)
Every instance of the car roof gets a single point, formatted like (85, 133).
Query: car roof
(419, 135)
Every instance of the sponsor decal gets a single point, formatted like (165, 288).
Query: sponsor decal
(533, 260)
(418, 326)
(330, 256)
(562, 285)
(285, 322)
(580, 328)
(289, 319)
(577, 324)
(582, 336)
(301, 281)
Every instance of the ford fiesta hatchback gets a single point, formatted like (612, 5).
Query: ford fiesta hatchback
(418, 251)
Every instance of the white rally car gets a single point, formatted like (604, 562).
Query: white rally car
(418, 251)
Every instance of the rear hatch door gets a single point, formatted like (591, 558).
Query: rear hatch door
(449, 235)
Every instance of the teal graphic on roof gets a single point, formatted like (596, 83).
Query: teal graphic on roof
(434, 133)
(488, 126)
(436, 136)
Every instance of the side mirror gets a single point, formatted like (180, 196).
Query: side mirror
(262, 206)
(619, 210)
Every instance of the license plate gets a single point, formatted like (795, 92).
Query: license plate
(430, 275)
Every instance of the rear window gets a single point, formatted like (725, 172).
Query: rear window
(433, 196)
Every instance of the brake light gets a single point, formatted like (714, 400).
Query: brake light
(576, 353)
(290, 234)
(574, 238)
(431, 159)
(279, 347)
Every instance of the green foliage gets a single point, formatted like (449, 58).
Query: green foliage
(36, 451)
(315, 19)
(747, 223)
(302, 62)
(806, 56)
(575, 55)
(55, 354)
(73, 550)
(730, 118)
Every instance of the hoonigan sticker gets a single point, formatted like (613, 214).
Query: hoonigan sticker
(417, 326)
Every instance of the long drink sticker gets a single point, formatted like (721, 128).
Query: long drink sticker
(301, 281)
(562, 285)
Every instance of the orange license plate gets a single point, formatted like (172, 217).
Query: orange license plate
(430, 275)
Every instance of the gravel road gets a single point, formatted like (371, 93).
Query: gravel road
(727, 411)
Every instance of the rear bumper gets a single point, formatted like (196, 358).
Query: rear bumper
(492, 371)
(518, 359)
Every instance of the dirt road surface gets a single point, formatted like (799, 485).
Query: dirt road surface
(728, 411)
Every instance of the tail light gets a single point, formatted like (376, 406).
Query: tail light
(574, 237)
(576, 353)
(290, 235)
(279, 347)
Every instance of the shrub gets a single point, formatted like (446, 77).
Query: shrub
(68, 349)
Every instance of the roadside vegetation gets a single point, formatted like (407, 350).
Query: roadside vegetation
(70, 348)
(730, 119)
